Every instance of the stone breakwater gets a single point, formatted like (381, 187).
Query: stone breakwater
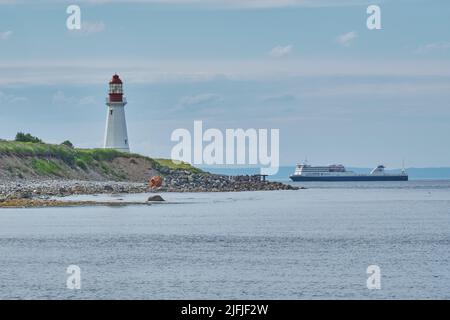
(177, 181)
(184, 181)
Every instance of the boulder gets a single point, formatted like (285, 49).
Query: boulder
(24, 195)
(63, 190)
(108, 188)
(155, 198)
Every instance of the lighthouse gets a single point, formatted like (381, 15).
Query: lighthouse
(116, 136)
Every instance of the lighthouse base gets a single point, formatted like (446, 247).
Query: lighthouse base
(116, 136)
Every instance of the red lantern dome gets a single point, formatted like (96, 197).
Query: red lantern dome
(115, 79)
(115, 89)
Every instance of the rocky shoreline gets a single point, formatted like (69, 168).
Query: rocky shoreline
(42, 203)
(177, 181)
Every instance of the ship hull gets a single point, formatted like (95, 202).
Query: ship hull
(349, 178)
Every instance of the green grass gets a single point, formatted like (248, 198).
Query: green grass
(102, 154)
(81, 158)
(23, 149)
(68, 155)
(46, 167)
(177, 166)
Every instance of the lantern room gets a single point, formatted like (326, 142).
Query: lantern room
(115, 89)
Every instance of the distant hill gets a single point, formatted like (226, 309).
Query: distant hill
(28, 160)
(285, 171)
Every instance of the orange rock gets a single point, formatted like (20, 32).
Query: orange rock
(155, 182)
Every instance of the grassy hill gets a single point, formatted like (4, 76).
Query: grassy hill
(28, 160)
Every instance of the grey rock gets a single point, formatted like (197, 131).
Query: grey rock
(155, 198)
(108, 188)
(24, 195)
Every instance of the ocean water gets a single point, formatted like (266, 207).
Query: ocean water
(306, 244)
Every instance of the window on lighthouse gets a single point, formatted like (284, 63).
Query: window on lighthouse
(115, 88)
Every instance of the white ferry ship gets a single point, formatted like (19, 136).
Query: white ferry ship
(337, 172)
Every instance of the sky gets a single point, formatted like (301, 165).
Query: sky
(337, 91)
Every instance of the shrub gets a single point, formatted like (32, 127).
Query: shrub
(68, 144)
(26, 137)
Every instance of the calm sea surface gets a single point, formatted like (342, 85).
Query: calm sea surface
(306, 244)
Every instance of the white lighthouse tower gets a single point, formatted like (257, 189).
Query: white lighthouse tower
(116, 136)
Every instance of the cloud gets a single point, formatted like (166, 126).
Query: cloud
(95, 71)
(88, 100)
(389, 88)
(204, 99)
(60, 98)
(441, 45)
(280, 51)
(10, 98)
(346, 38)
(280, 99)
(206, 104)
(5, 35)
